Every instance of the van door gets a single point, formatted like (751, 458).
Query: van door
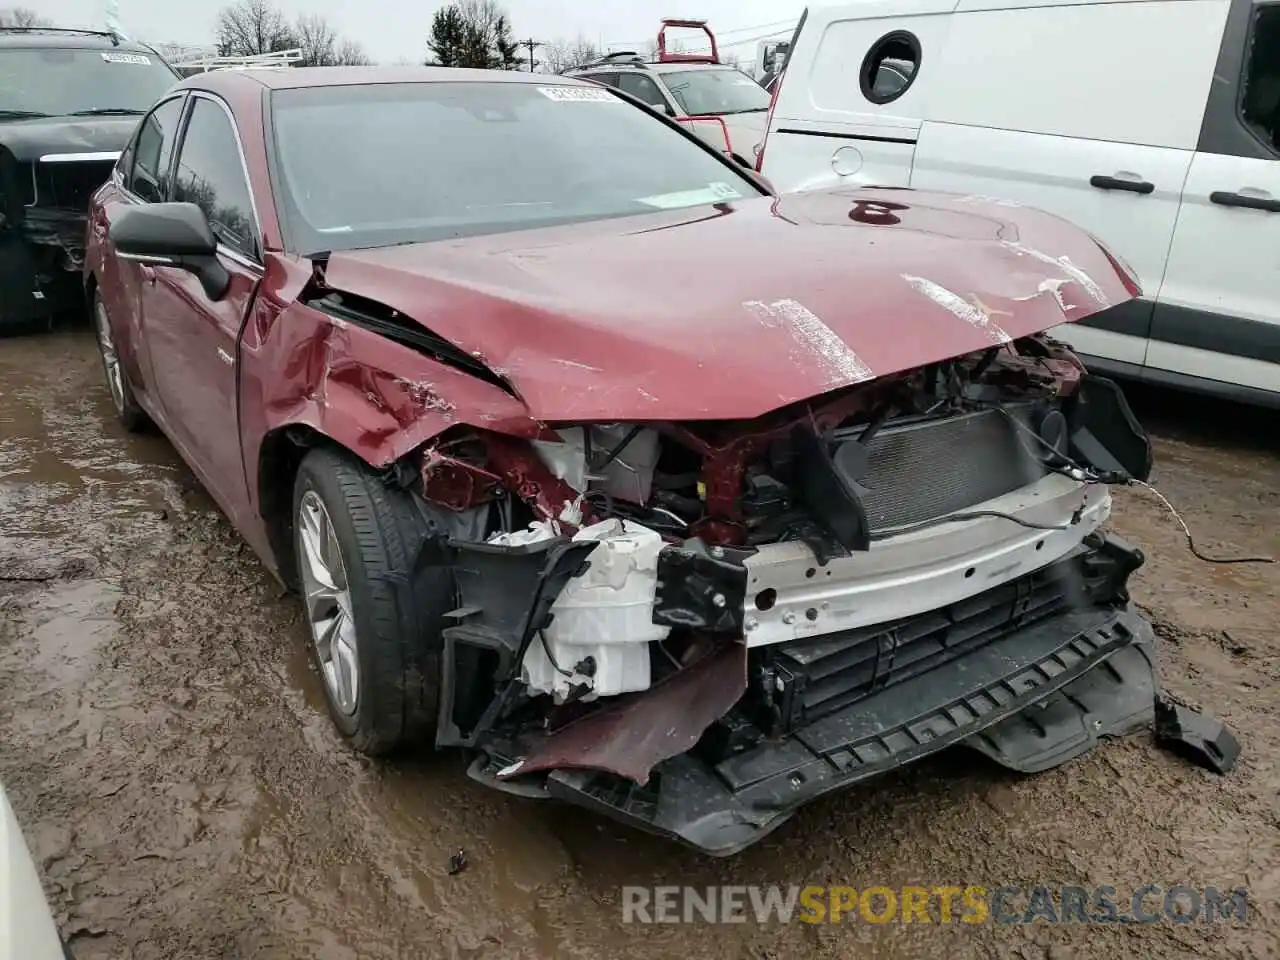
(856, 88)
(1091, 112)
(1218, 314)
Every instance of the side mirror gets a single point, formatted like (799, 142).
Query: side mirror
(171, 235)
(669, 110)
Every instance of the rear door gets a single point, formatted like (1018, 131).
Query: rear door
(858, 83)
(1090, 112)
(194, 340)
(1218, 315)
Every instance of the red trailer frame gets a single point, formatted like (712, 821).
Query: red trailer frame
(665, 57)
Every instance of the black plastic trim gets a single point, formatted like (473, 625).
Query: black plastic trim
(910, 141)
(866, 80)
(1217, 332)
(1226, 198)
(1223, 130)
(1156, 376)
(1189, 327)
(723, 809)
(1142, 187)
(1131, 318)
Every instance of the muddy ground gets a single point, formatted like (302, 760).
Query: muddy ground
(165, 744)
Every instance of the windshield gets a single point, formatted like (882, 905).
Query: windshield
(701, 92)
(60, 82)
(373, 165)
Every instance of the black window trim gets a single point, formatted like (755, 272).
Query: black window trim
(1223, 130)
(120, 175)
(247, 259)
(866, 82)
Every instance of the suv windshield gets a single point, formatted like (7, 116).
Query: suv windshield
(373, 165)
(66, 82)
(704, 91)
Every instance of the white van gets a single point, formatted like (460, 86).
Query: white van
(1153, 123)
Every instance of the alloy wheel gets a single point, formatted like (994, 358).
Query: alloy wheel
(110, 357)
(327, 595)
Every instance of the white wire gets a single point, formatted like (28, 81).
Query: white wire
(1186, 531)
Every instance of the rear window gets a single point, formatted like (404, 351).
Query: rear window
(372, 165)
(70, 82)
(703, 92)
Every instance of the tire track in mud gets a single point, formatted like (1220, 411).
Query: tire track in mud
(164, 741)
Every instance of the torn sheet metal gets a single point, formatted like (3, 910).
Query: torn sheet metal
(637, 732)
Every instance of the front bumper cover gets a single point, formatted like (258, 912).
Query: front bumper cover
(1032, 699)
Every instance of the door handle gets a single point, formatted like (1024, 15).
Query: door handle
(1226, 199)
(148, 273)
(1115, 183)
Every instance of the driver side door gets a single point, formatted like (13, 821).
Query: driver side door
(194, 339)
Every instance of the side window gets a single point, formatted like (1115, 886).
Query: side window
(152, 151)
(890, 66)
(211, 175)
(608, 79)
(638, 85)
(1261, 102)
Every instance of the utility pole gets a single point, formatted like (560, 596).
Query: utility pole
(531, 44)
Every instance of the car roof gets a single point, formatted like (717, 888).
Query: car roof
(42, 38)
(290, 78)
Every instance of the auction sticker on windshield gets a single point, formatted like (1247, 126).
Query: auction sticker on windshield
(137, 58)
(578, 95)
(711, 193)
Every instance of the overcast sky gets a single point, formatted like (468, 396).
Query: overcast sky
(390, 30)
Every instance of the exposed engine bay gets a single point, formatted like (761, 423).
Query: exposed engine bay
(631, 592)
(43, 214)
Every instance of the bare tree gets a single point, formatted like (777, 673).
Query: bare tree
(22, 17)
(351, 54)
(561, 55)
(251, 27)
(317, 40)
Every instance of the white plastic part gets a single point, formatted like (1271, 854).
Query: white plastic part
(605, 614)
(628, 476)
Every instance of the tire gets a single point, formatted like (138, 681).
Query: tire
(397, 617)
(131, 416)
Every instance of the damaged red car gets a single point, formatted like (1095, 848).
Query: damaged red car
(660, 494)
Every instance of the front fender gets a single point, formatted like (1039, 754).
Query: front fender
(308, 376)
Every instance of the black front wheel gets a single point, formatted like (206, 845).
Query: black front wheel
(375, 626)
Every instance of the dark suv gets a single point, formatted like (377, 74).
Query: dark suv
(69, 100)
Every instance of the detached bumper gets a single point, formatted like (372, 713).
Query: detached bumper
(1032, 699)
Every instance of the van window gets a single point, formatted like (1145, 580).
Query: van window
(1124, 72)
(890, 66)
(638, 85)
(1261, 108)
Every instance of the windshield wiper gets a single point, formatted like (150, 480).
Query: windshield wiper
(21, 114)
(108, 112)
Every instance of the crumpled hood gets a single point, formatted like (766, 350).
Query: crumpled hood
(30, 140)
(731, 311)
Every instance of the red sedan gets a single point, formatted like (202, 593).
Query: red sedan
(661, 494)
